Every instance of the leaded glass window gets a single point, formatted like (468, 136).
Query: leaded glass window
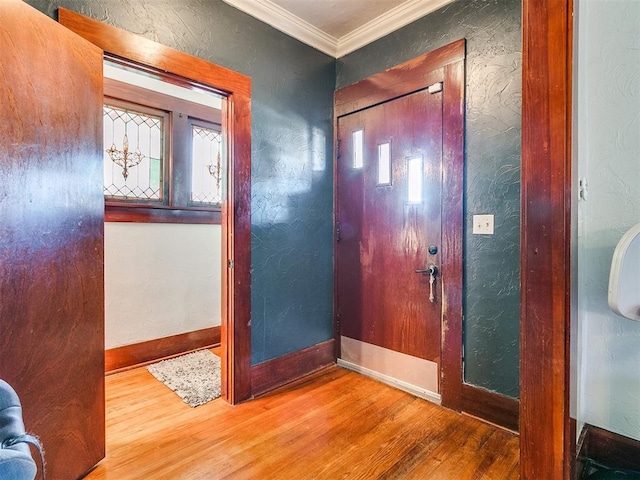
(164, 158)
(206, 165)
(134, 154)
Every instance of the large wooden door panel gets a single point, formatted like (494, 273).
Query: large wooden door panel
(51, 235)
(443, 66)
(384, 236)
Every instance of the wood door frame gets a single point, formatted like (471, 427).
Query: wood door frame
(236, 208)
(409, 77)
(545, 427)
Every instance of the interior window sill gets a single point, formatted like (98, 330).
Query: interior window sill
(115, 212)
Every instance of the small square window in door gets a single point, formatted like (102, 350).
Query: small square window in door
(414, 179)
(384, 164)
(358, 148)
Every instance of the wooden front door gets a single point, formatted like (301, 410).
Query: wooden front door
(389, 207)
(51, 235)
(399, 224)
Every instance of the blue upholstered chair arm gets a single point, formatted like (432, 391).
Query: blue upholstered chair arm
(16, 462)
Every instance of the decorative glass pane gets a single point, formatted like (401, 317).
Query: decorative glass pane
(206, 166)
(133, 158)
(414, 179)
(358, 149)
(384, 164)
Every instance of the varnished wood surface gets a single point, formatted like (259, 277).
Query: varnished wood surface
(236, 206)
(407, 77)
(452, 228)
(116, 212)
(546, 240)
(400, 80)
(490, 406)
(141, 353)
(236, 237)
(51, 235)
(332, 424)
(381, 300)
(279, 371)
(130, 46)
(609, 448)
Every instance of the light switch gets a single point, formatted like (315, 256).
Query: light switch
(483, 224)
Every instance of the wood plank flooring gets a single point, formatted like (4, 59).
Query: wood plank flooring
(334, 424)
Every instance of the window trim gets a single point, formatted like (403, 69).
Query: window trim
(175, 207)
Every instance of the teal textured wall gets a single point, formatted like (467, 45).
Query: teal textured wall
(293, 84)
(292, 138)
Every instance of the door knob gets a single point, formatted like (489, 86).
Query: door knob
(432, 271)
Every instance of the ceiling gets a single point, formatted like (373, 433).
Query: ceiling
(337, 27)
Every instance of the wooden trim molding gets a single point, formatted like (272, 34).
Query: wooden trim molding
(138, 96)
(275, 373)
(400, 80)
(490, 406)
(453, 108)
(236, 206)
(179, 115)
(607, 448)
(132, 47)
(117, 212)
(545, 241)
(447, 65)
(128, 356)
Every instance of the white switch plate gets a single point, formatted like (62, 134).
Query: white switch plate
(483, 224)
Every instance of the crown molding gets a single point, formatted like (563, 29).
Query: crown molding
(394, 19)
(281, 19)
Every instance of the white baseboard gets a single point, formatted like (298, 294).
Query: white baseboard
(393, 382)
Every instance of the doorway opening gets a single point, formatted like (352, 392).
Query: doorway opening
(164, 162)
(235, 89)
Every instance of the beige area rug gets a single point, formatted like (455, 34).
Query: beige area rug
(195, 377)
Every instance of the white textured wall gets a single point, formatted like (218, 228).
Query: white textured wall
(608, 117)
(160, 280)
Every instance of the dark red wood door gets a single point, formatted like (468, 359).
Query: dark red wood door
(51, 235)
(389, 217)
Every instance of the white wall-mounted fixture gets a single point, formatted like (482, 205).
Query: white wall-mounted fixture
(483, 224)
(624, 279)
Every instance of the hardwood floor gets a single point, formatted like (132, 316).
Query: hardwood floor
(332, 424)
